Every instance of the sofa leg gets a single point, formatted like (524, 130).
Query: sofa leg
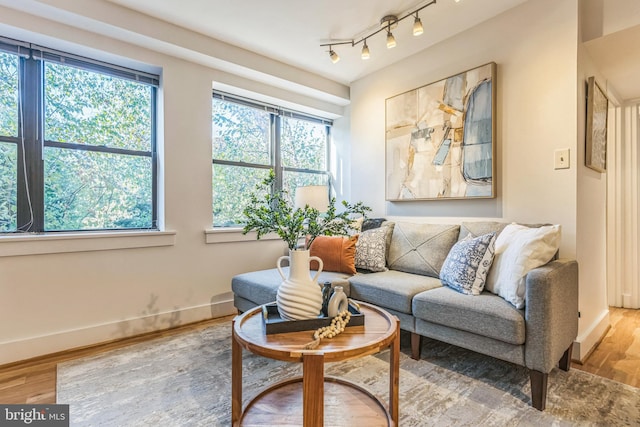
(565, 362)
(538, 389)
(416, 343)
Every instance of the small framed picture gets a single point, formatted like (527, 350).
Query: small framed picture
(597, 109)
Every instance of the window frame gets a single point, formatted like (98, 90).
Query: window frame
(276, 115)
(30, 141)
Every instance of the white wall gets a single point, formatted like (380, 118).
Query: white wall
(591, 225)
(536, 114)
(535, 47)
(56, 301)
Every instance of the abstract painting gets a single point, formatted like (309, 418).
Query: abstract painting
(440, 139)
(597, 109)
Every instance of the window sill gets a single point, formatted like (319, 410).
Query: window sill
(37, 244)
(234, 234)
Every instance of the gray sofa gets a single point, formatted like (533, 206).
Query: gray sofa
(539, 337)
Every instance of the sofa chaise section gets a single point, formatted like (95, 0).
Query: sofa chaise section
(539, 337)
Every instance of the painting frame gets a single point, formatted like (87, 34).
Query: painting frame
(596, 131)
(440, 139)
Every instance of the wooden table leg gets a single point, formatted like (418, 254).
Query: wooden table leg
(313, 390)
(236, 378)
(394, 375)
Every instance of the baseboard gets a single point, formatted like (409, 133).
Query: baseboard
(27, 348)
(589, 340)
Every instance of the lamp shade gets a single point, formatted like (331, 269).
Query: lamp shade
(365, 51)
(417, 27)
(334, 56)
(316, 196)
(391, 41)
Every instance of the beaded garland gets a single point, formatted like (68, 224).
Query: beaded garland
(337, 326)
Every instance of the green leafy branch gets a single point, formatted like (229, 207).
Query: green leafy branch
(273, 213)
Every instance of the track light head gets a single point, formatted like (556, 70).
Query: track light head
(417, 26)
(365, 51)
(391, 41)
(389, 22)
(333, 55)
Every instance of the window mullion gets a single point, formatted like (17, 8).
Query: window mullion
(276, 134)
(154, 158)
(328, 159)
(97, 148)
(31, 191)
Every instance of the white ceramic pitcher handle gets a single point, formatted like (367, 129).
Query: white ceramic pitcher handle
(320, 266)
(280, 268)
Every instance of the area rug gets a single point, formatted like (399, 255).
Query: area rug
(185, 380)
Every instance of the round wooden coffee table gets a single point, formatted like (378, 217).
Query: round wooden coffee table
(313, 399)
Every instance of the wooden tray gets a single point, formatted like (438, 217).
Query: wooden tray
(273, 324)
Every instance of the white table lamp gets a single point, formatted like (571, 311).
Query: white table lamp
(316, 196)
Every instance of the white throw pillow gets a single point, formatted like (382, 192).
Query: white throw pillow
(519, 249)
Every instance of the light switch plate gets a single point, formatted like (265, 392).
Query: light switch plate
(561, 159)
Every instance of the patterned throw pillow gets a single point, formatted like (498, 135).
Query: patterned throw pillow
(466, 267)
(371, 249)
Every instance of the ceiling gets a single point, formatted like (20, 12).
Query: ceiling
(611, 34)
(291, 31)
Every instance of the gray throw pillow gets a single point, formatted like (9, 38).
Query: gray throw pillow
(467, 265)
(478, 228)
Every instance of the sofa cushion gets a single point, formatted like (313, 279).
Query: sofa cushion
(260, 287)
(421, 248)
(371, 248)
(519, 249)
(390, 289)
(337, 253)
(485, 314)
(466, 267)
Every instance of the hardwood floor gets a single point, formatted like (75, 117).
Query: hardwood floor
(618, 355)
(34, 381)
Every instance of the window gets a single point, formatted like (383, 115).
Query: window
(250, 139)
(78, 152)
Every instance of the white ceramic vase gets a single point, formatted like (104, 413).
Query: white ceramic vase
(299, 295)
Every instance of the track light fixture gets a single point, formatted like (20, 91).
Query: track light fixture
(333, 55)
(386, 23)
(417, 26)
(391, 41)
(365, 51)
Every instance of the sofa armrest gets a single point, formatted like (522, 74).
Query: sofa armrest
(551, 313)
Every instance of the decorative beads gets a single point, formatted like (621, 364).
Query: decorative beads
(338, 323)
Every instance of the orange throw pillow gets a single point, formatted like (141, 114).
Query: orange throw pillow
(336, 252)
